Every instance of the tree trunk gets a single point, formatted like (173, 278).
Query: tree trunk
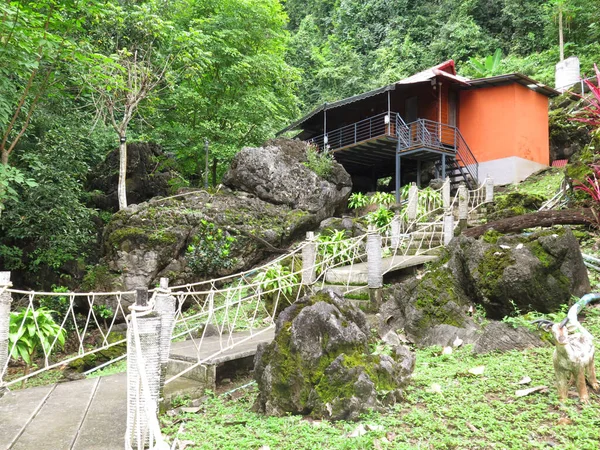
(122, 187)
(4, 157)
(583, 216)
(561, 42)
(214, 172)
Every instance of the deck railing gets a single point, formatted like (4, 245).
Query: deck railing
(370, 128)
(421, 133)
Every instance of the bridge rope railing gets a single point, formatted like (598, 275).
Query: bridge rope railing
(242, 294)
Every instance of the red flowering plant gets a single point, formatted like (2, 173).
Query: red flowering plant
(591, 185)
(590, 112)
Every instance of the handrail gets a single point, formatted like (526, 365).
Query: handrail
(466, 159)
(362, 130)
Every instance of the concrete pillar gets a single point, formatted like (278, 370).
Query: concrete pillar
(143, 355)
(448, 226)
(463, 206)
(489, 189)
(5, 301)
(165, 306)
(446, 193)
(374, 265)
(413, 199)
(309, 259)
(396, 226)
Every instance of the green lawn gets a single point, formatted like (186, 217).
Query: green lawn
(464, 412)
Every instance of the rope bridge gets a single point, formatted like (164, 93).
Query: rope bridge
(246, 301)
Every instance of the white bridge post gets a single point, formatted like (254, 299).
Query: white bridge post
(165, 306)
(463, 206)
(5, 301)
(413, 200)
(489, 189)
(144, 358)
(446, 193)
(448, 226)
(374, 264)
(396, 226)
(309, 259)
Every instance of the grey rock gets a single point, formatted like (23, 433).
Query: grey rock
(277, 174)
(498, 336)
(319, 363)
(538, 271)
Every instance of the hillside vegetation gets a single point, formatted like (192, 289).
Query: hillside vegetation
(79, 77)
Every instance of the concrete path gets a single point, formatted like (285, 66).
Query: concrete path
(357, 273)
(91, 414)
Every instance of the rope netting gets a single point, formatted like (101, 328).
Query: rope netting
(49, 330)
(223, 307)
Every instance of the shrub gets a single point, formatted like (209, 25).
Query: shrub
(210, 250)
(31, 330)
(320, 163)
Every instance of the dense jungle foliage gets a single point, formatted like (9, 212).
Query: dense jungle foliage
(230, 71)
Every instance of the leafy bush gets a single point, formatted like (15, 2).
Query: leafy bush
(33, 330)
(320, 163)
(277, 279)
(380, 218)
(58, 306)
(357, 200)
(210, 250)
(334, 247)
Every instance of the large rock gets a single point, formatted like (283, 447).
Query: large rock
(480, 281)
(146, 178)
(200, 235)
(320, 363)
(196, 236)
(277, 174)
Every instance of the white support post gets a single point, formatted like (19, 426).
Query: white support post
(395, 230)
(5, 301)
(446, 193)
(374, 254)
(374, 266)
(143, 354)
(463, 202)
(489, 189)
(448, 226)
(413, 199)
(463, 206)
(165, 306)
(309, 259)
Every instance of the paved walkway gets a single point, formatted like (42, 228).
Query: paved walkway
(91, 414)
(358, 273)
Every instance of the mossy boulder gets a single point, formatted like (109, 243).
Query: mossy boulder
(321, 363)
(100, 357)
(514, 204)
(495, 276)
(198, 235)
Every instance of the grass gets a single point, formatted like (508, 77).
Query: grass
(545, 183)
(467, 412)
(118, 367)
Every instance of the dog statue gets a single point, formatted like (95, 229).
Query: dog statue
(574, 351)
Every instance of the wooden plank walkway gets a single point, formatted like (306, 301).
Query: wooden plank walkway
(91, 414)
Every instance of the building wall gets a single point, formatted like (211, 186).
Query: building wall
(503, 121)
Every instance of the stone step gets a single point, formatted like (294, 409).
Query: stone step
(343, 289)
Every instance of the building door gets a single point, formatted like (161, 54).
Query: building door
(411, 109)
(452, 108)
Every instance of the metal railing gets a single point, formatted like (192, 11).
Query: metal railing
(370, 128)
(420, 133)
(434, 135)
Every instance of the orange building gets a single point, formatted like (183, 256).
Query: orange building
(436, 124)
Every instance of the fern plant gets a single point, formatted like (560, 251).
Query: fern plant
(33, 330)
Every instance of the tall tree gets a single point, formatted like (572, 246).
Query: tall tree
(119, 81)
(234, 86)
